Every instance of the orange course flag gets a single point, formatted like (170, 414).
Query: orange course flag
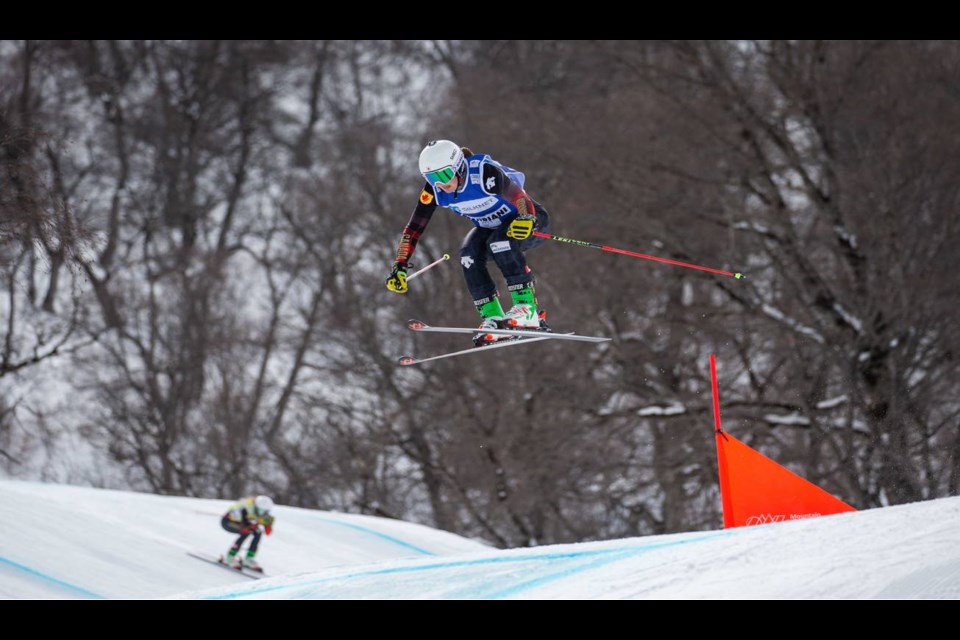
(756, 490)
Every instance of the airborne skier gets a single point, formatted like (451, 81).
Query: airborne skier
(492, 197)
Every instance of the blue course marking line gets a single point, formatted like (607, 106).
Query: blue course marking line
(372, 532)
(562, 573)
(59, 583)
(603, 557)
(614, 556)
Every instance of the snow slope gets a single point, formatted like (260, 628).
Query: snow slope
(62, 541)
(71, 542)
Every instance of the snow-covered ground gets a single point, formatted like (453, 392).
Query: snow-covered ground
(60, 541)
(72, 542)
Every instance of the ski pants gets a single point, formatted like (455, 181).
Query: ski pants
(480, 245)
(235, 527)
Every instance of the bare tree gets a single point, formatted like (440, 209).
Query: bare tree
(224, 316)
(40, 241)
(737, 151)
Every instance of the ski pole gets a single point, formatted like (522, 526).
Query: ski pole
(603, 247)
(446, 256)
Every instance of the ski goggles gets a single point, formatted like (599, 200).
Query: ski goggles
(440, 176)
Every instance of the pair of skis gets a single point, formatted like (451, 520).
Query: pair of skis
(244, 571)
(516, 337)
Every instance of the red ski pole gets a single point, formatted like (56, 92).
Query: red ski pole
(634, 254)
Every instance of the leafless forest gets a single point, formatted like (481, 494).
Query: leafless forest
(194, 238)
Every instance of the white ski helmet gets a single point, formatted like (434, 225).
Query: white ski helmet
(440, 160)
(263, 504)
